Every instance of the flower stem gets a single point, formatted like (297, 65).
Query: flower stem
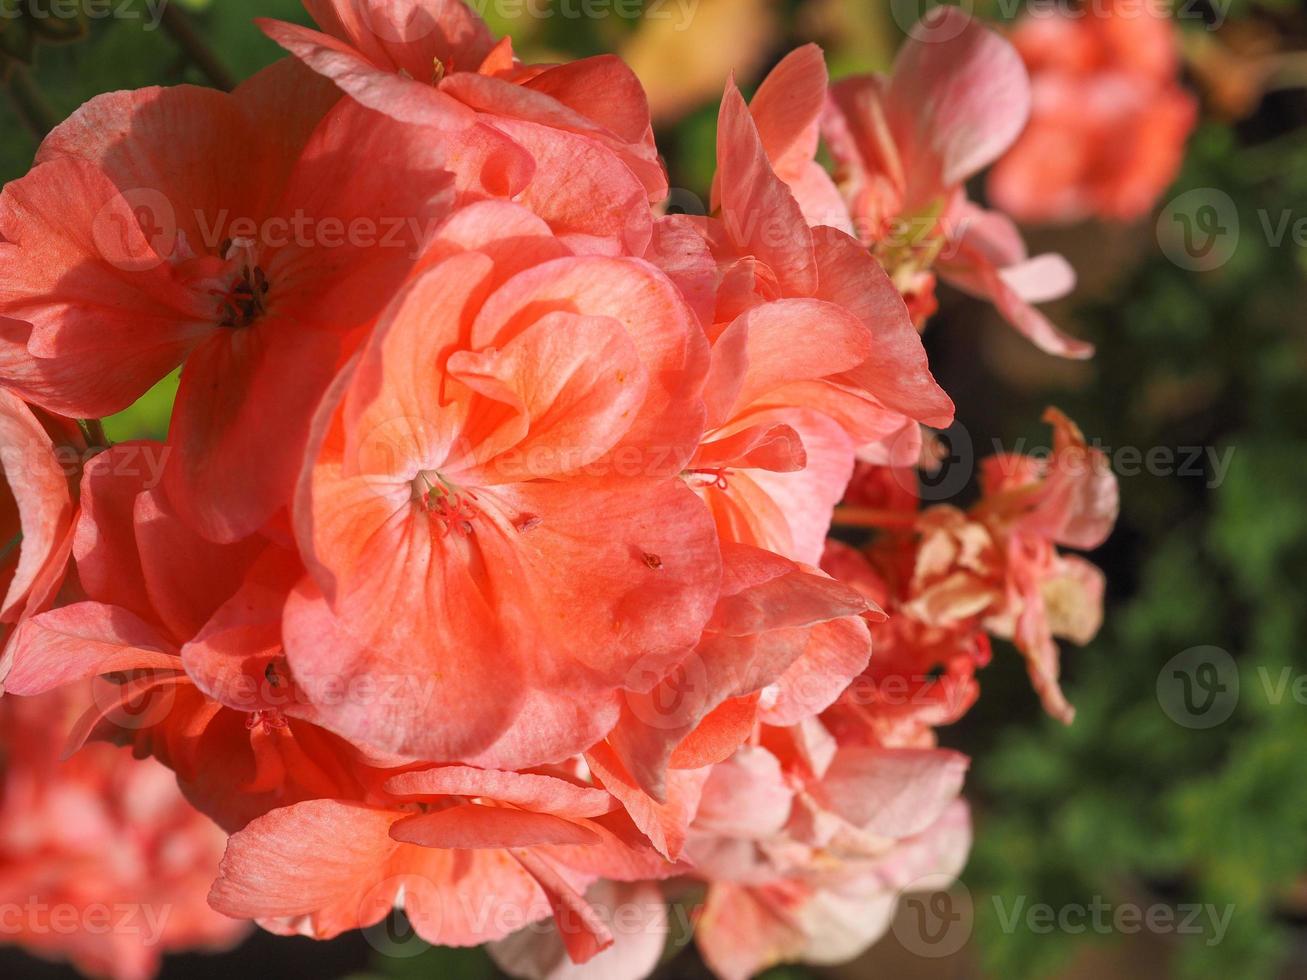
(870, 517)
(93, 429)
(31, 105)
(176, 23)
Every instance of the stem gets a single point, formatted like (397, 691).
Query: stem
(176, 23)
(31, 105)
(93, 429)
(870, 517)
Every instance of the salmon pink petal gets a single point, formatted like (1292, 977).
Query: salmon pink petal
(324, 867)
(757, 631)
(670, 344)
(665, 824)
(761, 216)
(241, 421)
(548, 724)
(746, 797)
(591, 199)
(577, 382)
(584, 933)
(892, 792)
(599, 98)
(856, 130)
(77, 265)
(743, 931)
(787, 108)
(1041, 279)
(776, 447)
(971, 271)
(529, 791)
(781, 508)
(409, 99)
(392, 699)
(680, 250)
(602, 89)
(763, 591)
(896, 371)
(36, 485)
(316, 858)
(835, 654)
(645, 588)
(84, 640)
(638, 948)
(470, 827)
(993, 237)
(237, 657)
(104, 542)
(186, 577)
(713, 740)
(405, 35)
(958, 97)
(797, 340)
(514, 237)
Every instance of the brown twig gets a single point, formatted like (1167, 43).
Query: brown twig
(177, 24)
(870, 517)
(30, 104)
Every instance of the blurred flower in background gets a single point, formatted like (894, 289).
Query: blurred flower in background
(1109, 117)
(102, 862)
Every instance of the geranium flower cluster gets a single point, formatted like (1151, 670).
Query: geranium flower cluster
(478, 576)
(1110, 118)
(102, 862)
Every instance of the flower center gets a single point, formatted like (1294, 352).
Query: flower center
(711, 477)
(246, 300)
(448, 506)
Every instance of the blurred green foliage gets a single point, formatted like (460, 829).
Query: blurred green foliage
(1128, 803)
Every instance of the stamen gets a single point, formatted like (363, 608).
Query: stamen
(246, 301)
(713, 477)
(452, 506)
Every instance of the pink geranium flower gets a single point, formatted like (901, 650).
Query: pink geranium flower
(497, 476)
(906, 144)
(435, 63)
(185, 225)
(37, 508)
(103, 861)
(1110, 118)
